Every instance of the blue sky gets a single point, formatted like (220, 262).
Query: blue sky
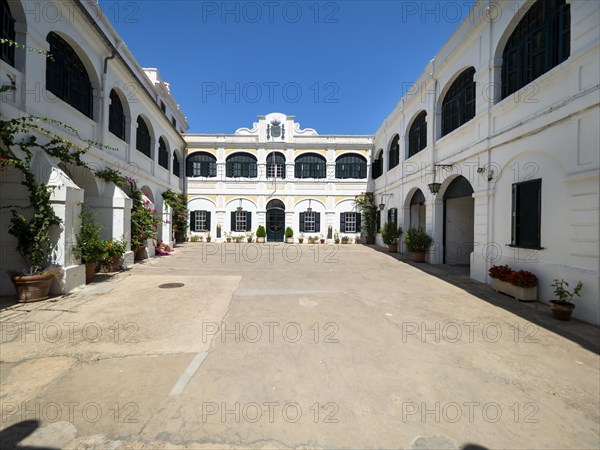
(339, 67)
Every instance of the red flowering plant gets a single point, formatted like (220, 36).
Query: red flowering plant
(523, 278)
(144, 222)
(502, 273)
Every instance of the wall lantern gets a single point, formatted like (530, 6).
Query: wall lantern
(239, 208)
(434, 187)
(309, 209)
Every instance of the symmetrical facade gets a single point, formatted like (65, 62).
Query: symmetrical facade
(93, 84)
(276, 175)
(494, 151)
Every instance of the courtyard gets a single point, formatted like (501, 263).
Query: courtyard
(294, 346)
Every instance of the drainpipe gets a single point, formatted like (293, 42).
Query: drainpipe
(101, 134)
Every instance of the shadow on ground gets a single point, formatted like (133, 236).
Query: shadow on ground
(582, 333)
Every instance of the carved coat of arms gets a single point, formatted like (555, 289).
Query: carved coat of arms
(276, 129)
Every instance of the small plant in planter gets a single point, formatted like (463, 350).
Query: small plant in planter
(249, 236)
(238, 239)
(227, 236)
(501, 273)
(300, 238)
(261, 234)
(208, 237)
(418, 242)
(345, 239)
(336, 237)
(195, 238)
(90, 247)
(313, 239)
(390, 233)
(564, 306)
(289, 235)
(321, 239)
(357, 239)
(115, 249)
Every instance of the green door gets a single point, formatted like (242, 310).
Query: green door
(275, 225)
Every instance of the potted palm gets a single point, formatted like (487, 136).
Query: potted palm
(90, 248)
(301, 238)
(261, 233)
(564, 306)
(289, 235)
(368, 209)
(418, 242)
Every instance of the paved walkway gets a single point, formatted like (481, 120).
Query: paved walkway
(294, 347)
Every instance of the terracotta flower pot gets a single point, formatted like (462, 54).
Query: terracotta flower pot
(32, 288)
(392, 248)
(140, 253)
(370, 240)
(418, 256)
(90, 271)
(110, 265)
(561, 311)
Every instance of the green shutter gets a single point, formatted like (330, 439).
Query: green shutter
(192, 220)
(358, 222)
(207, 220)
(301, 222)
(342, 222)
(318, 222)
(233, 221)
(248, 221)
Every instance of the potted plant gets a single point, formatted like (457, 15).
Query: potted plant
(418, 242)
(178, 204)
(289, 235)
(300, 238)
(520, 284)
(390, 233)
(336, 237)
(115, 249)
(195, 238)
(261, 234)
(90, 248)
(357, 239)
(368, 209)
(249, 237)
(208, 238)
(321, 239)
(345, 239)
(564, 306)
(238, 239)
(227, 236)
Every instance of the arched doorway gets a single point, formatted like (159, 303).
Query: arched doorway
(275, 221)
(417, 210)
(459, 207)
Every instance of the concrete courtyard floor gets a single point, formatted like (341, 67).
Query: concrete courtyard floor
(277, 346)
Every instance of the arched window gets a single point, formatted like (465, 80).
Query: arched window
(417, 135)
(540, 42)
(275, 165)
(116, 116)
(66, 76)
(310, 165)
(377, 166)
(163, 154)
(241, 165)
(176, 165)
(394, 153)
(143, 142)
(351, 166)
(7, 52)
(458, 106)
(201, 164)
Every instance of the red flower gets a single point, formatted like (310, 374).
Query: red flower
(501, 272)
(523, 278)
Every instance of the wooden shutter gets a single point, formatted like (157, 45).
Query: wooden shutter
(248, 221)
(317, 222)
(233, 228)
(192, 220)
(358, 222)
(301, 222)
(207, 220)
(342, 222)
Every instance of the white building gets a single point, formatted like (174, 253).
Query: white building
(506, 119)
(93, 84)
(276, 175)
